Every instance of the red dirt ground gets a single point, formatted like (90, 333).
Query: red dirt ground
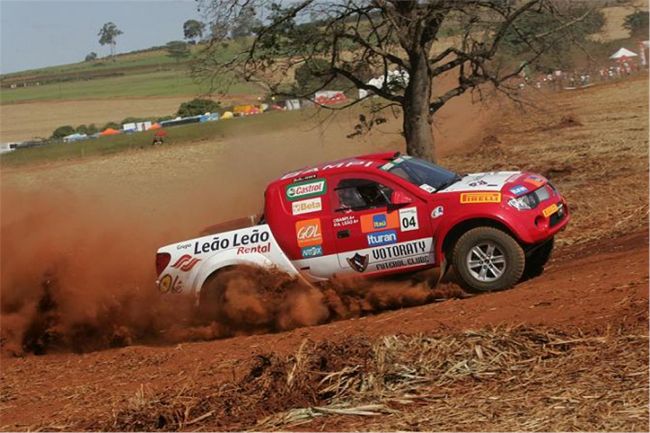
(604, 285)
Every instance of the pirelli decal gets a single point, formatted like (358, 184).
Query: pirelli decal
(480, 197)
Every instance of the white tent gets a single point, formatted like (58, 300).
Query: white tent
(623, 52)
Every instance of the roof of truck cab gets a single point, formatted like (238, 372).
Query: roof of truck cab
(368, 162)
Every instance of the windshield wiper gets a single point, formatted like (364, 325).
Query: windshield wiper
(450, 182)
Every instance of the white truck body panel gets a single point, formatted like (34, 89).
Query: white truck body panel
(194, 260)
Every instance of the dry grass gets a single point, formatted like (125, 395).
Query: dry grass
(521, 378)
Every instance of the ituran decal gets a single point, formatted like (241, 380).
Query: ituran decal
(218, 243)
(382, 238)
(306, 206)
(408, 219)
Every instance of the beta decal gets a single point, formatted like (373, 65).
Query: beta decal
(408, 219)
(306, 206)
(185, 263)
(344, 221)
(437, 212)
(518, 190)
(358, 262)
(238, 239)
(480, 197)
(167, 284)
(550, 210)
(310, 188)
(379, 221)
(308, 232)
(313, 251)
(382, 238)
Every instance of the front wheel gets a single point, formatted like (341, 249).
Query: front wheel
(487, 259)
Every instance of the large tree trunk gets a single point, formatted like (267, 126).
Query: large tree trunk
(417, 118)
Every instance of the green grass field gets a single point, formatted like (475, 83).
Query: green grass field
(271, 121)
(138, 74)
(166, 83)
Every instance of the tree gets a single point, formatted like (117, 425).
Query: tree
(394, 36)
(197, 106)
(177, 50)
(245, 22)
(637, 23)
(107, 35)
(62, 131)
(193, 29)
(312, 75)
(91, 57)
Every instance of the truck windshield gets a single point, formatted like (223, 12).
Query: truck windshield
(427, 176)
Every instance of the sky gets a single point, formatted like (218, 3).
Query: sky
(38, 33)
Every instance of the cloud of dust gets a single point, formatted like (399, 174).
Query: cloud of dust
(79, 276)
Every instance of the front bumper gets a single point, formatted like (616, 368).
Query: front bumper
(545, 221)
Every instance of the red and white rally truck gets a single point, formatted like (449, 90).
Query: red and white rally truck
(382, 214)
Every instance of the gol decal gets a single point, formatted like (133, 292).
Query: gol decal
(185, 262)
(550, 210)
(480, 197)
(379, 221)
(308, 232)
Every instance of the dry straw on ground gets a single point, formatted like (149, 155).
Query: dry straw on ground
(494, 379)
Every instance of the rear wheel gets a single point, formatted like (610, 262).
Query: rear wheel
(488, 259)
(234, 297)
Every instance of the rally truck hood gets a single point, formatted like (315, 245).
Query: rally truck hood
(492, 181)
(509, 182)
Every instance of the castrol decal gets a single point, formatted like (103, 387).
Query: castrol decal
(310, 188)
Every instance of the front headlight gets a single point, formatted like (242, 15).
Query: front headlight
(521, 203)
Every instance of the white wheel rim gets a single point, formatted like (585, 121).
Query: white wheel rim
(486, 262)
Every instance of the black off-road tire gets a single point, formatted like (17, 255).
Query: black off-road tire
(213, 300)
(513, 257)
(537, 259)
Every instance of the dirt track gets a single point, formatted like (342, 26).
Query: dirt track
(595, 288)
(77, 391)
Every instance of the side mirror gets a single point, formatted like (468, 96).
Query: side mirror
(398, 198)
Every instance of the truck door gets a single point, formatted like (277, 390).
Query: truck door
(378, 226)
